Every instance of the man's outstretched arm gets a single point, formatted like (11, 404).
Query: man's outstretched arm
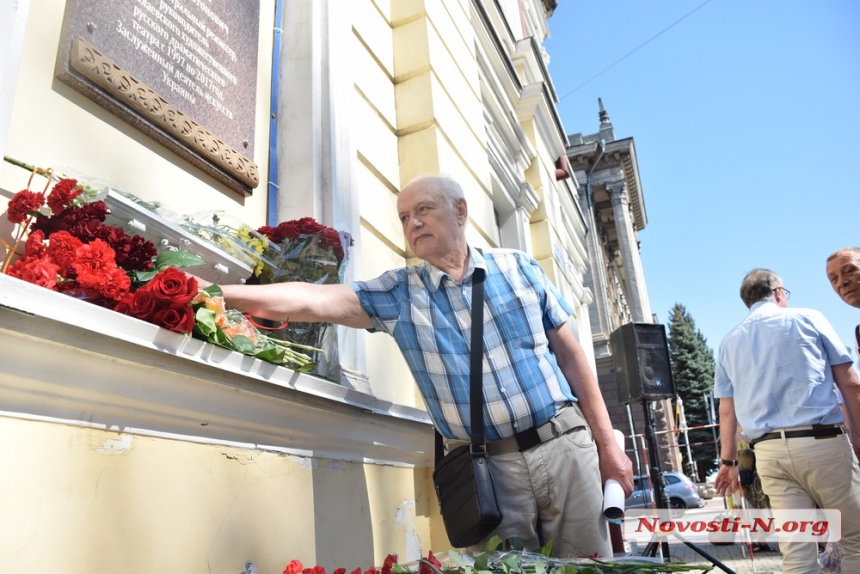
(296, 301)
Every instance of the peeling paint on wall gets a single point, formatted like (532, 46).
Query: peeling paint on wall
(405, 517)
(241, 457)
(116, 446)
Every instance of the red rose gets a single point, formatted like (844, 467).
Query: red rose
(22, 203)
(142, 305)
(309, 226)
(267, 231)
(173, 286)
(124, 305)
(286, 230)
(62, 195)
(179, 318)
(426, 569)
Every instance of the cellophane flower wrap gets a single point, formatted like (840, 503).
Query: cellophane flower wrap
(62, 243)
(307, 251)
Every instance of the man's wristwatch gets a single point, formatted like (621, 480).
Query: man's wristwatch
(727, 462)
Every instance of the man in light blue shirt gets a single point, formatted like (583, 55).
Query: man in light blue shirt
(774, 377)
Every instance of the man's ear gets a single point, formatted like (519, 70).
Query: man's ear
(462, 210)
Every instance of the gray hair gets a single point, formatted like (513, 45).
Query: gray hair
(759, 285)
(852, 252)
(446, 185)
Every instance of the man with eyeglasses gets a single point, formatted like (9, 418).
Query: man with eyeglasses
(774, 377)
(843, 272)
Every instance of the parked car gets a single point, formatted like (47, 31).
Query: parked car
(681, 492)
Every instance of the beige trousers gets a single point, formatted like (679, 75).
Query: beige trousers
(553, 492)
(802, 473)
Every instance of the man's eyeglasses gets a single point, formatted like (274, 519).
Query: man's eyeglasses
(784, 290)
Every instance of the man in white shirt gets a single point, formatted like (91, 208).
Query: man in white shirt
(774, 376)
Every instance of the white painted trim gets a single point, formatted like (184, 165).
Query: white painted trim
(75, 362)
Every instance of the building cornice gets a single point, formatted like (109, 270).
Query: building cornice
(70, 361)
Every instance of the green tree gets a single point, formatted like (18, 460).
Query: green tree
(693, 373)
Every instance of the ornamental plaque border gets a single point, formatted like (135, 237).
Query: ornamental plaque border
(87, 60)
(117, 86)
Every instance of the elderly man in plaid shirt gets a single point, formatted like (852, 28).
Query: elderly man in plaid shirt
(536, 376)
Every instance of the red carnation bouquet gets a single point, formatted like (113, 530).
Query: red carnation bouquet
(67, 247)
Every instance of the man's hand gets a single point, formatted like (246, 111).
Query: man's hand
(727, 480)
(615, 464)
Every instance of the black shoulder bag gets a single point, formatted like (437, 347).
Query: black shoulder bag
(463, 482)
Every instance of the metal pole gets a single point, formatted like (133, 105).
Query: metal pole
(683, 424)
(709, 400)
(633, 440)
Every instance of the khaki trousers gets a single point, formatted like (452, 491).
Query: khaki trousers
(802, 473)
(553, 492)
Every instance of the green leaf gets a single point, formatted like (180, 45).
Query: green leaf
(181, 258)
(482, 561)
(271, 353)
(214, 291)
(243, 344)
(546, 549)
(512, 561)
(142, 276)
(493, 544)
(456, 558)
(515, 543)
(204, 322)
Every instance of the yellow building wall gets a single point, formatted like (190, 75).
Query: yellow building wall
(80, 500)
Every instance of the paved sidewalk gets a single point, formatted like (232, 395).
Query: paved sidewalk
(736, 557)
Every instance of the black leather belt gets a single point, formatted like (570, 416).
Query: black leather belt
(818, 431)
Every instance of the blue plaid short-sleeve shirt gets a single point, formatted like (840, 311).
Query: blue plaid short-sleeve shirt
(429, 316)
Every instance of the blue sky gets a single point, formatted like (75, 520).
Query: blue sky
(746, 121)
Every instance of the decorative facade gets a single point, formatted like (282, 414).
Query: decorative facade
(135, 449)
(612, 196)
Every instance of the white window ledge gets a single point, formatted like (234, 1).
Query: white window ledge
(70, 361)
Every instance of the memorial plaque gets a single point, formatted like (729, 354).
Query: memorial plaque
(182, 71)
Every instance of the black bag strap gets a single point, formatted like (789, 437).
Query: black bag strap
(476, 363)
(476, 370)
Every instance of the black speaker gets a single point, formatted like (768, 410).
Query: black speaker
(640, 356)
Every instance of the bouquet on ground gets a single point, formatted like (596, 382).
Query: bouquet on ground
(307, 251)
(63, 244)
(508, 557)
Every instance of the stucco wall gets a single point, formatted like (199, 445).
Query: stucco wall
(371, 97)
(79, 500)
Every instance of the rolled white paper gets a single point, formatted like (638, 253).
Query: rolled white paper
(613, 493)
(613, 501)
